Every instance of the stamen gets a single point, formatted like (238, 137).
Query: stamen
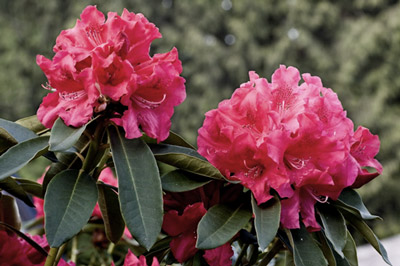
(48, 87)
(71, 96)
(142, 102)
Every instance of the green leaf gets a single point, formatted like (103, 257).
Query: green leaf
(64, 137)
(26, 238)
(18, 132)
(31, 187)
(266, 221)
(175, 139)
(6, 140)
(180, 181)
(350, 200)
(220, 224)
(305, 251)
(11, 186)
(368, 234)
(110, 209)
(9, 213)
(334, 226)
(139, 187)
(68, 204)
(350, 253)
(185, 159)
(326, 249)
(19, 155)
(32, 123)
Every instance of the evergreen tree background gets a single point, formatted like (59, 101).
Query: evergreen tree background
(354, 46)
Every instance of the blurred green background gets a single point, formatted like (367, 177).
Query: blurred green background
(354, 46)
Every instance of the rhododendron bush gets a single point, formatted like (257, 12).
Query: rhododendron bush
(272, 180)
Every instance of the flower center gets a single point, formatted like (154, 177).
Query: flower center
(93, 33)
(254, 171)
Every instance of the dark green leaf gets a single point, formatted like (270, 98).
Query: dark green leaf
(180, 181)
(19, 155)
(68, 204)
(175, 139)
(26, 238)
(220, 224)
(11, 186)
(368, 234)
(350, 253)
(266, 221)
(305, 251)
(350, 199)
(334, 226)
(32, 123)
(64, 137)
(110, 209)
(31, 187)
(139, 185)
(185, 159)
(326, 249)
(6, 140)
(9, 213)
(18, 132)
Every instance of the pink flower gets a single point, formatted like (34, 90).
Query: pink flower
(16, 251)
(183, 229)
(219, 256)
(293, 138)
(102, 64)
(132, 260)
(184, 211)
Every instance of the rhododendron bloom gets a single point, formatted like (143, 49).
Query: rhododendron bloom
(288, 137)
(16, 251)
(184, 211)
(105, 65)
(132, 260)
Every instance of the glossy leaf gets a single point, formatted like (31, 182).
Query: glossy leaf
(368, 234)
(266, 221)
(68, 204)
(11, 186)
(64, 137)
(305, 251)
(334, 226)
(32, 123)
(350, 253)
(19, 155)
(180, 181)
(110, 209)
(350, 199)
(185, 159)
(18, 132)
(31, 187)
(220, 224)
(6, 140)
(175, 139)
(327, 250)
(139, 187)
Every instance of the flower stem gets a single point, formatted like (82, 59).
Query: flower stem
(51, 258)
(276, 247)
(241, 254)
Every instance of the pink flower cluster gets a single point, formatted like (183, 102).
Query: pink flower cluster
(16, 251)
(100, 64)
(290, 138)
